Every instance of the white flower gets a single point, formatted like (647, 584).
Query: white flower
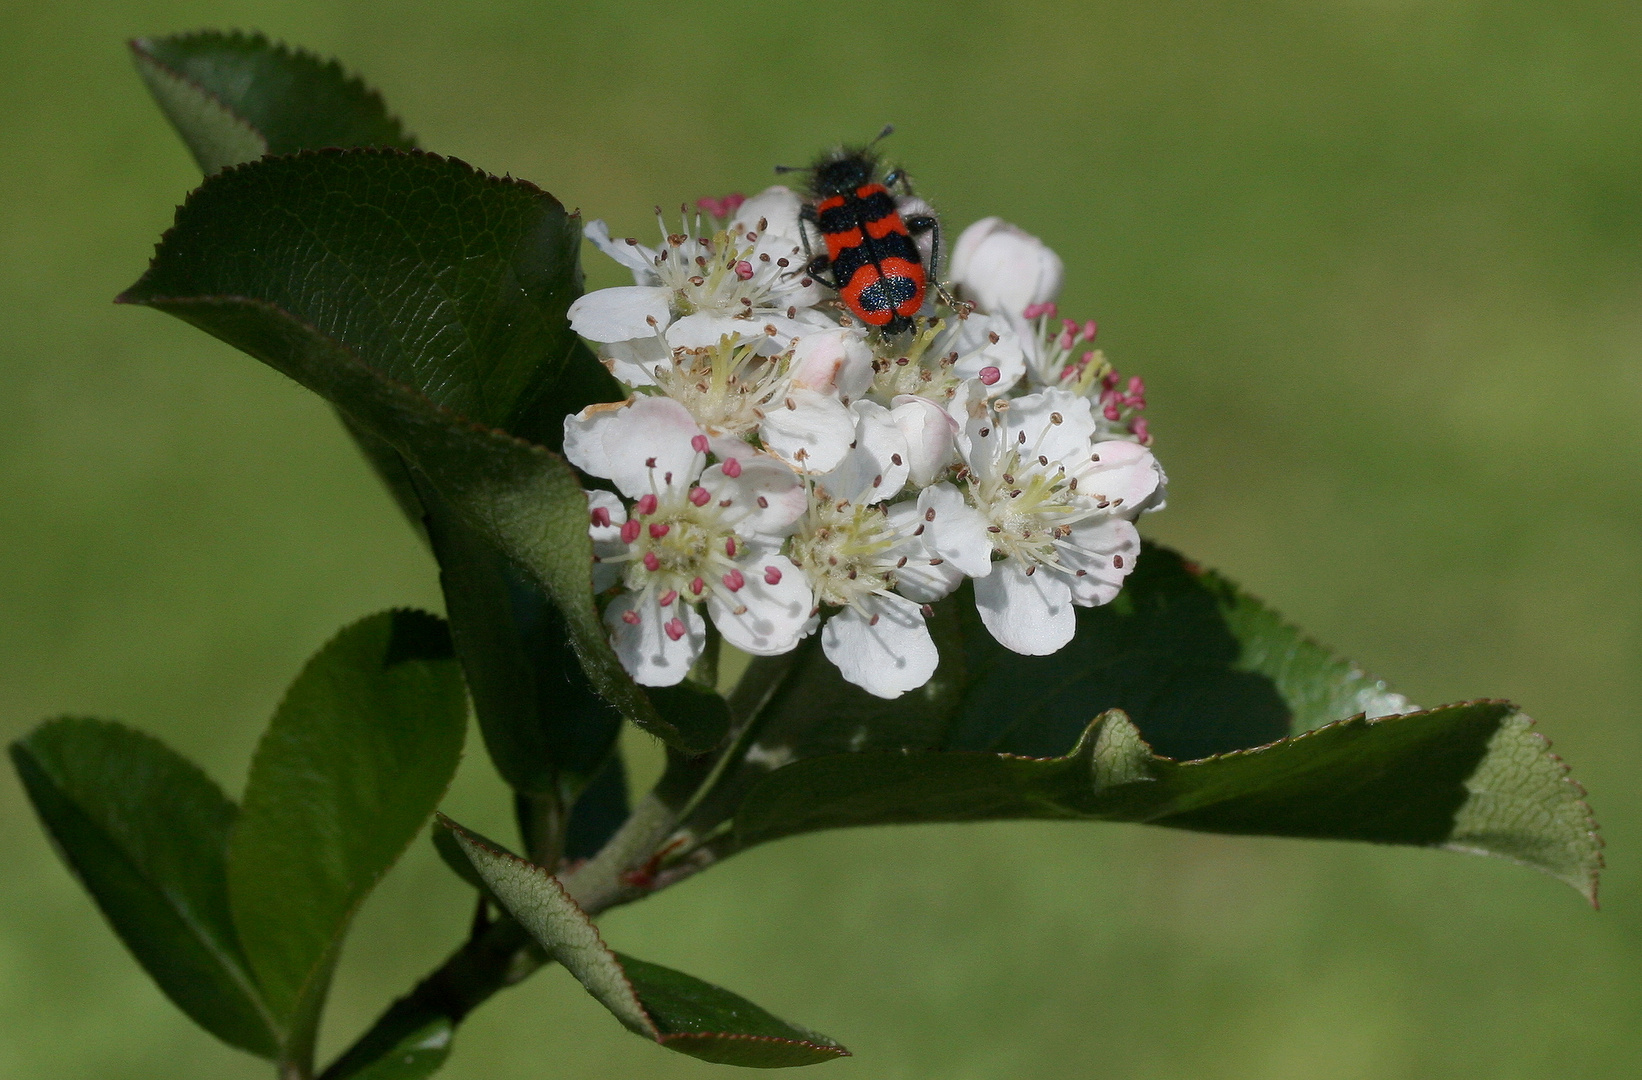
(941, 356)
(869, 560)
(693, 289)
(1042, 521)
(692, 536)
(735, 393)
(1004, 269)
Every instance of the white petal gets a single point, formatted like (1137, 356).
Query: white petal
(926, 577)
(634, 362)
(835, 360)
(584, 438)
(1101, 545)
(886, 657)
(1068, 441)
(622, 313)
(869, 472)
(778, 206)
(772, 618)
(1126, 475)
(954, 530)
(703, 329)
(928, 431)
(1028, 614)
(977, 352)
(762, 478)
(816, 424)
(636, 257)
(648, 445)
(646, 650)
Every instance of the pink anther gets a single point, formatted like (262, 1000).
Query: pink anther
(601, 516)
(1090, 329)
(734, 581)
(700, 496)
(651, 563)
(729, 546)
(674, 628)
(658, 529)
(646, 505)
(743, 269)
(731, 467)
(1034, 310)
(668, 597)
(631, 618)
(698, 443)
(629, 531)
(1111, 412)
(697, 585)
(772, 575)
(990, 375)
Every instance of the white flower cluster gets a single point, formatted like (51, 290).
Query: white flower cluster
(787, 468)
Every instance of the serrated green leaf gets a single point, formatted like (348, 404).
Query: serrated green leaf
(427, 301)
(146, 833)
(676, 1010)
(357, 755)
(1469, 777)
(234, 97)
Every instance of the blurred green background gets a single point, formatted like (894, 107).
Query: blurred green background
(1381, 264)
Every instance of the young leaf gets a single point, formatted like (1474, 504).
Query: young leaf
(1470, 777)
(356, 757)
(234, 97)
(676, 1010)
(426, 300)
(146, 833)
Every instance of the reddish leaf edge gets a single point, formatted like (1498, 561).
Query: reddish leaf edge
(283, 48)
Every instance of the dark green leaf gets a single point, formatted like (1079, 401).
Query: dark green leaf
(427, 301)
(1470, 777)
(356, 757)
(234, 97)
(1200, 666)
(676, 1010)
(599, 812)
(146, 832)
(545, 727)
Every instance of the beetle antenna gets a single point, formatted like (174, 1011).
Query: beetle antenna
(889, 129)
(789, 168)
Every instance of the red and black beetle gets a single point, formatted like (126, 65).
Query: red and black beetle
(872, 257)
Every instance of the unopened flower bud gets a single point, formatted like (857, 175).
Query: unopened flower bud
(1005, 270)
